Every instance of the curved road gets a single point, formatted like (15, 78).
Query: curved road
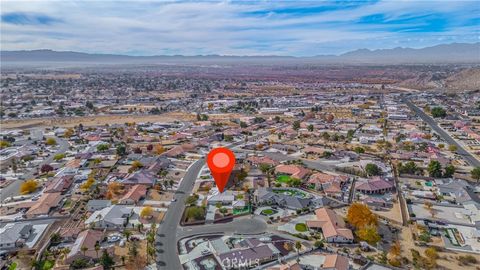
(14, 188)
(245, 225)
(167, 258)
(169, 231)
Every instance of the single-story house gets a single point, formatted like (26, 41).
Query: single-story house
(112, 217)
(375, 185)
(134, 195)
(295, 171)
(331, 225)
(95, 205)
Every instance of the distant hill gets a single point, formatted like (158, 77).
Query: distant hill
(446, 53)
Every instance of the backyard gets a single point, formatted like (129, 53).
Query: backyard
(284, 179)
(291, 192)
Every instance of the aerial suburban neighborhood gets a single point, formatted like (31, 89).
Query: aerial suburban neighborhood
(338, 180)
(235, 135)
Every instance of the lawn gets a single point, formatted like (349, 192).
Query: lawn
(301, 227)
(46, 265)
(13, 266)
(67, 204)
(268, 212)
(284, 179)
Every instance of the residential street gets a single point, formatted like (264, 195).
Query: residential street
(431, 122)
(167, 257)
(14, 188)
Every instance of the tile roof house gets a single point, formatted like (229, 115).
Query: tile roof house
(311, 150)
(320, 179)
(295, 171)
(331, 225)
(87, 239)
(141, 177)
(134, 195)
(257, 161)
(375, 185)
(59, 184)
(44, 205)
(335, 262)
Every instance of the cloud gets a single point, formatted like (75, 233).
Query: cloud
(234, 27)
(22, 18)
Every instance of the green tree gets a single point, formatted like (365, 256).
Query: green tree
(476, 174)
(102, 147)
(408, 168)
(298, 246)
(438, 112)
(79, 263)
(296, 125)
(434, 169)
(319, 244)
(369, 234)
(84, 250)
(106, 260)
(449, 170)
(359, 150)
(350, 133)
(267, 170)
(50, 141)
(59, 157)
(452, 148)
(121, 149)
(310, 128)
(372, 169)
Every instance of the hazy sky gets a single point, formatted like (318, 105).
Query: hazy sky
(300, 28)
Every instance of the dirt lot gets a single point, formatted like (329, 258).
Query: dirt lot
(94, 120)
(446, 259)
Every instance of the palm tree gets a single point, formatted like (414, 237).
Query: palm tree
(267, 170)
(35, 264)
(65, 252)
(97, 248)
(127, 234)
(298, 246)
(84, 250)
(150, 252)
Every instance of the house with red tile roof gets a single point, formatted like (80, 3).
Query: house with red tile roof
(257, 161)
(331, 225)
(295, 171)
(87, 239)
(320, 180)
(335, 262)
(44, 205)
(134, 195)
(375, 185)
(59, 184)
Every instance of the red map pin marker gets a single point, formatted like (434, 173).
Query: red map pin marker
(221, 162)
